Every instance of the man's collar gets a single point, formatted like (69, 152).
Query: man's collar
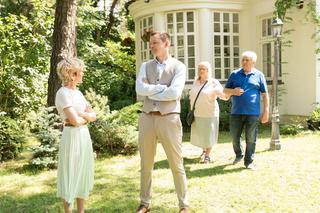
(252, 72)
(164, 62)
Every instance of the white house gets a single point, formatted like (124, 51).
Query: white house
(219, 30)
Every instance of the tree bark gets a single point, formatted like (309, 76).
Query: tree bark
(111, 18)
(63, 44)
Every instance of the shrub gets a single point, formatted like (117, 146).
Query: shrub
(313, 120)
(225, 110)
(185, 108)
(46, 130)
(291, 129)
(11, 138)
(114, 132)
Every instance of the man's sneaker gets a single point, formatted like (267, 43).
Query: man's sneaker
(237, 160)
(251, 166)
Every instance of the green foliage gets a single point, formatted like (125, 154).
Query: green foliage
(291, 129)
(24, 54)
(11, 138)
(112, 133)
(185, 108)
(282, 7)
(46, 128)
(128, 115)
(225, 110)
(313, 120)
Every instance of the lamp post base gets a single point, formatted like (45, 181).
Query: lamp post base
(275, 145)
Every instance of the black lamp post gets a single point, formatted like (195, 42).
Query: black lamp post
(277, 25)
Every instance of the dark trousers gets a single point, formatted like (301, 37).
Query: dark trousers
(250, 124)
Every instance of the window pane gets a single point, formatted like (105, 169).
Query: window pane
(170, 28)
(190, 40)
(226, 28)
(180, 28)
(217, 62)
(235, 17)
(191, 63)
(191, 73)
(150, 55)
(217, 51)
(145, 45)
(216, 27)
(216, 17)
(191, 51)
(217, 40)
(264, 27)
(179, 17)
(170, 18)
(180, 40)
(189, 16)
(236, 63)
(227, 51)
(226, 40)
(236, 28)
(226, 73)
(217, 74)
(150, 21)
(269, 27)
(144, 23)
(181, 59)
(190, 27)
(226, 17)
(180, 51)
(236, 40)
(226, 62)
(236, 51)
(144, 55)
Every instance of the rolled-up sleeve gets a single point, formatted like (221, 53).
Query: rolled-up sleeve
(146, 89)
(174, 91)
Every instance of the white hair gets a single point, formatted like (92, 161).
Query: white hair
(249, 54)
(206, 64)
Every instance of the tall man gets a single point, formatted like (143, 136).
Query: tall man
(246, 85)
(161, 82)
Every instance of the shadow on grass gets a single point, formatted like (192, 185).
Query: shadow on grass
(164, 164)
(218, 170)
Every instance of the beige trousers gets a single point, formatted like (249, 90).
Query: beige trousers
(168, 130)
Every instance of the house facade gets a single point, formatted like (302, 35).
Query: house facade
(218, 31)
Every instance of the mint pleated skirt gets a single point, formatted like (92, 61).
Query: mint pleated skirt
(75, 164)
(204, 132)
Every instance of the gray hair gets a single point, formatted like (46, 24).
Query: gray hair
(249, 54)
(66, 68)
(206, 64)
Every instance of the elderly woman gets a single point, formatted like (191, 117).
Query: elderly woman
(76, 161)
(205, 128)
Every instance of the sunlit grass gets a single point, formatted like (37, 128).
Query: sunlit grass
(287, 180)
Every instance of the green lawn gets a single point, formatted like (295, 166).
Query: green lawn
(285, 181)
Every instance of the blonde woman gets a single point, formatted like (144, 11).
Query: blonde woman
(75, 159)
(205, 128)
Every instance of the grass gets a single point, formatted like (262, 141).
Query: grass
(287, 180)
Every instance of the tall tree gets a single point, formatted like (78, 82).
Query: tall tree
(64, 42)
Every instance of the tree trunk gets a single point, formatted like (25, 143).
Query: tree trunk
(63, 42)
(111, 18)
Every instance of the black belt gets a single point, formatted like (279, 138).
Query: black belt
(157, 113)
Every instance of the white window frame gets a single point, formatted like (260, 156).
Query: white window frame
(224, 70)
(145, 53)
(174, 41)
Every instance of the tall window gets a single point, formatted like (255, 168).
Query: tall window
(146, 23)
(267, 47)
(226, 43)
(180, 26)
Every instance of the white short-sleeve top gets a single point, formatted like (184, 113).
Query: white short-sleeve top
(207, 104)
(66, 97)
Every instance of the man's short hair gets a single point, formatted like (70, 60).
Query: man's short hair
(164, 36)
(249, 54)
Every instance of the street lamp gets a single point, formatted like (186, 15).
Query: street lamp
(277, 25)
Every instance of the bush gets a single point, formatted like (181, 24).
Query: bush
(291, 129)
(47, 131)
(313, 120)
(225, 110)
(185, 108)
(11, 138)
(114, 132)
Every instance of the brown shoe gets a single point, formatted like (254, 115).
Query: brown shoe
(143, 209)
(184, 210)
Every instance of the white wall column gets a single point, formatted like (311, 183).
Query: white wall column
(159, 22)
(205, 35)
(318, 60)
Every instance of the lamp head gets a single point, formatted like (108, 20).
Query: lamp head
(277, 25)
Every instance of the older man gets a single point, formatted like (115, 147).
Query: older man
(246, 85)
(161, 82)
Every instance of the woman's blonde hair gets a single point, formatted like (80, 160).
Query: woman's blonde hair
(66, 69)
(206, 64)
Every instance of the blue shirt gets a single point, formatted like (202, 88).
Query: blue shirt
(253, 85)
